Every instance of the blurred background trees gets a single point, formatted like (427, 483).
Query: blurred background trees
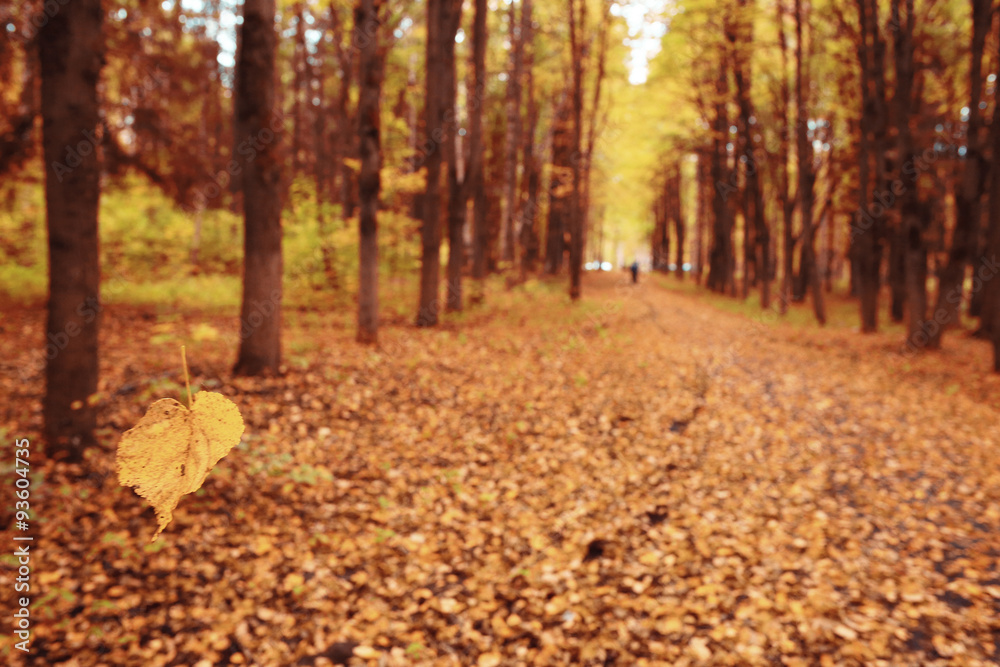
(800, 151)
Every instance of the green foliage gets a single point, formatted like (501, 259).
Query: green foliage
(146, 247)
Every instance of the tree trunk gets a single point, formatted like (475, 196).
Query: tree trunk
(529, 208)
(678, 222)
(720, 276)
(71, 53)
(756, 239)
(897, 275)
(369, 183)
(866, 231)
(588, 149)
(458, 197)
(577, 28)
(508, 222)
(703, 215)
(440, 41)
(910, 205)
(298, 75)
(321, 168)
(807, 176)
(430, 234)
(476, 147)
(260, 314)
(990, 313)
(784, 197)
(557, 225)
(970, 192)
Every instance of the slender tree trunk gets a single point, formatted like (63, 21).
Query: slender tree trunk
(556, 226)
(508, 222)
(865, 255)
(912, 215)
(807, 176)
(298, 75)
(346, 129)
(664, 216)
(990, 314)
(720, 274)
(529, 208)
(577, 28)
(785, 200)
(679, 221)
(970, 191)
(441, 27)
(260, 314)
(703, 216)
(370, 79)
(897, 274)
(591, 137)
(458, 192)
(757, 252)
(321, 166)
(71, 53)
(434, 110)
(476, 147)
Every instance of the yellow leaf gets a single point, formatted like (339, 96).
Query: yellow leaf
(365, 652)
(172, 449)
(489, 660)
(293, 580)
(699, 648)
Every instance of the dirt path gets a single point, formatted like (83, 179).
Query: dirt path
(636, 479)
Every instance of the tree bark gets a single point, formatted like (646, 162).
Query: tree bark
(784, 196)
(678, 221)
(807, 176)
(532, 169)
(298, 76)
(720, 275)
(577, 28)
(557, 225)
(476, 147)
(508, 222)
(430, 235)
(366, 22)
(756, 239)
(970, 192)
(867, 230)
(458, 191)
(913, 217)
(260, 314)
(588, 150)
(990, 313)
(704, 194)
(441, 27)
(71, 53)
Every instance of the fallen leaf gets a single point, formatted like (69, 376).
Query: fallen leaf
(172, 449)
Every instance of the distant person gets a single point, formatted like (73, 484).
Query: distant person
(635, 271)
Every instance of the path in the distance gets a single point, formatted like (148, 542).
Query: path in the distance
(887, 483)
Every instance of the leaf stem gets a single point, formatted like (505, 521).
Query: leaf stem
(187, 382)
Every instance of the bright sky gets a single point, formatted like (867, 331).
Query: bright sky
(646, 27)
(645, 19)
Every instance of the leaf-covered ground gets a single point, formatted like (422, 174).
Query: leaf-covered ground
(640, 479)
